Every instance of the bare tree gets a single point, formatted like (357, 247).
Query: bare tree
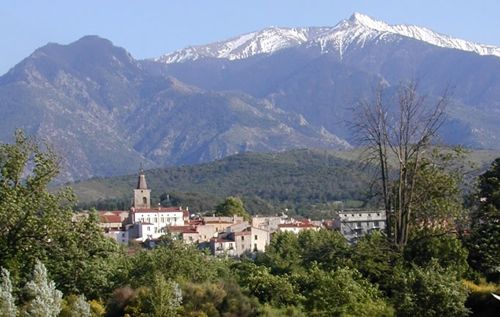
(397, 137)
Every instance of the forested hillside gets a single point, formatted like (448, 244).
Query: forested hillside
(302, 181)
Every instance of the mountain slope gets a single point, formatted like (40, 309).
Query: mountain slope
(356, 30)
(106, 114)
(324, 76)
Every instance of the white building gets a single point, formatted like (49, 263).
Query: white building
(151, 223)
(353, 224)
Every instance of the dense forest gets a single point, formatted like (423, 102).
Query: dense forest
(311, 183)
(56, 264)
(298, 180)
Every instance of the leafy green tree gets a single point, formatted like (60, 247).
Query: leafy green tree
(263, 285)
(75, 306)
(328, 248)
(94, 270)
(437, 197)
(32, 217)
(484, 240)
(428, 291)
(375, 257)
(232, 206)
(161, 299)
(7, 301)
(446, 249)
(292, 311)
(44, 300)
(283, 255)
(175, 261)
(38, 224)
(342, 292)
(202, 299)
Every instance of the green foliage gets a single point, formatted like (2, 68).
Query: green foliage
(342, 292)
(268, 183)
(375, 257)
(175, 261)
(32, 218)
(292, 311)
(446, 249)
(7, 301)
(232, 206)
(38, 224)
(162, 299)
(428, 291)
(75, 306)
(223, 298)
(484, 240)
(283, 255)
(328, 248)
(44, 300)
(289, 252)
(263, 285)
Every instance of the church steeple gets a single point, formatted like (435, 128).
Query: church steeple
(141, 192)
(141, 181)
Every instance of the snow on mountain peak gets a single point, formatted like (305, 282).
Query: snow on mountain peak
(423, 34)
(267, 41)
(358, 29)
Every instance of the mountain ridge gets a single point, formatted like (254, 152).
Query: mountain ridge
(358, 27)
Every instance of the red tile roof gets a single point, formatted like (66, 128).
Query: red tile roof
(110, 218)
(182, 229)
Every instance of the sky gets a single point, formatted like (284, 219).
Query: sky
(150, 28)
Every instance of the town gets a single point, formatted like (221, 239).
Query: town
(223, 235)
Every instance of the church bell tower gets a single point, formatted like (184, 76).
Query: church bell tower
(142, 193)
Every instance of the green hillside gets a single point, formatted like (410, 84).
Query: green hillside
(268, 183)
(305, 182)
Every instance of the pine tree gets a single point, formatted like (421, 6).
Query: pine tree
(45, 298)
(7, 301)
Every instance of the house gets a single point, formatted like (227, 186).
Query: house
(353, 224)
(269, 223)
(239, 240)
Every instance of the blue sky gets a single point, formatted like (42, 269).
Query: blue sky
(150, 28)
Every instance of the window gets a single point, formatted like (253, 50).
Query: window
(256, 236)
(144, 200)
(242, 238)
(155, 220)
(149, 228)
(255, 247)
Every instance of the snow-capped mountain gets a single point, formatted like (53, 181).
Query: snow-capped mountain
(358, 29)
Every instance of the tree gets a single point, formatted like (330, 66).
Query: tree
(446, 249)
(7, 301)
(44, 299)
(232, 206)
(161, 299)
(32, 217)
(341, 292)
(428, 291)
(283, 255)
(401, 135)
(75, 306)
(38, 224)
(375, 257)
(484, 240)
(263, 285)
